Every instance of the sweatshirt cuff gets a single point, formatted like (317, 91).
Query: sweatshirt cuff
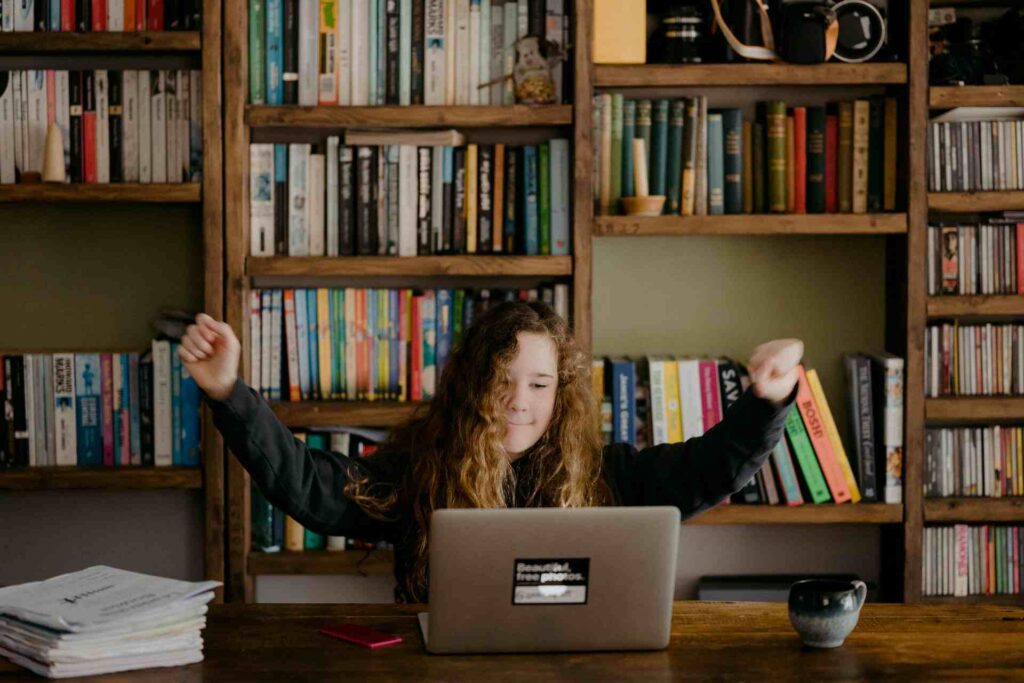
(240, 401)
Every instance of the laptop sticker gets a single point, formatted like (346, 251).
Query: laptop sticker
(550, 581)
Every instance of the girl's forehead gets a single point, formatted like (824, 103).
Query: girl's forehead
(537, 353)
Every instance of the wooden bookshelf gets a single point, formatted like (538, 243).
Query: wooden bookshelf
(976, 96)
(974, 202)
(975, 409)
(312, 562)
(858, 513)
(753, 224)
(975, 305)
(418, 266)
(974, 510)
(103, 42)
(162, 193)
(418, 116)
(349, 413)
(115, 478)
(705, 75)
(1013, 600)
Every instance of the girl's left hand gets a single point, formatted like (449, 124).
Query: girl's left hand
(773, 369)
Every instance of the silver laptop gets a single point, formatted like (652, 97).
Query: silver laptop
(551, 579)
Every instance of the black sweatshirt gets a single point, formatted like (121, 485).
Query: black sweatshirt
(306, 483)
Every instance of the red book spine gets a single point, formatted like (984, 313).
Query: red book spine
(67, 15)
(710, 401)
(416, 350)
(403, 346)
(1020, 258)
(831, 157)
(800, 159)
(140, 14)
(155, 15)
(99, 15)
(811, 415)
(107, 398)
(291, 346)
(88, 127)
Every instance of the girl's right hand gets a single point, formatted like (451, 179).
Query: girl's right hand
(210, 351)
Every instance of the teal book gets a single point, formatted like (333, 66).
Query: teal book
(757, 163)
(643, 129)
(628, 133)
(674, 170)
(732, 159)
(616, 155)
(659, 147)
(312, 331)
(275, 51)
(89, 429)
(257, 51)
(261, 534)
(876, 153)
(815, 159)
(544, 197)
(716, 167)
(312, 540)
(337, 301)
(405, 51)
(806, 459)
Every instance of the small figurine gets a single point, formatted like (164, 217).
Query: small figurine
(531, 76)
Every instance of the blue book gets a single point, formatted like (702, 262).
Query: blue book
(674, 168)
(55, 16)
(623, 374)
(275, 51)
(396, 347)
(531, 198)
(313, 331)
(405, 50)
(175, 405)
(89, 430)
(134, 409)
(190, 430)
(338, 315)
(116, 380)
(658, 151)
(716, 166)
(371, 338)
(302, 343)
(429, 322)
(444, 327)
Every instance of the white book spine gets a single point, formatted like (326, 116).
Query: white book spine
(255, 338)
(7, 126)
(346, 32)
(309, 34)
(145, 126)
(434, 53)
(559, 197)
(298, 209)
(292, 340)
(497, 55)
(65, 429)
(511, 31)
(360, 53)
(408, 194)
(182, 175)
(195, 125)
(162, 448)
(437, 200)
(171, 125)
(6, 16)
(158, 127)
(276, 313)
(261, 199)
(37, 119)
(130, 126)
(659, 425)
(115, 14)
(450, 47)
(102, 128)
(562, 300)
(24, 13)
(331, 203)
(266, 343)
(328, 52)
(46, 363)
(315, 201)
(20, 121)
(484, 53)
(689, 398)
(62, 117)
(522, 18)
(462, 50)
(29, 369)
(473, 58)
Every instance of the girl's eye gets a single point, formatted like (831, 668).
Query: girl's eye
(541, 386)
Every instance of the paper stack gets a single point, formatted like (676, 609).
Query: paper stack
(102, 620)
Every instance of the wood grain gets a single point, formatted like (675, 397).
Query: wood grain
(980, 510)
(111, 478)
(976, 96)
(970, 202)
(975, 305)
(316, 266)
(417, 116)
(359, 562)
(351, 413)
(858, 513)
(752, 224)
(666, 75)
(145, 41)
(975, 409)
(102, 192)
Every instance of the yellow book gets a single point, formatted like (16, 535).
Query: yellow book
(470, 201)
(620, 32)
(323, 329)
(597, 380)
(673, 416)
(833, 434)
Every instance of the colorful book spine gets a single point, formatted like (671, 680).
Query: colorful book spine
(801, 445)
(775, 135)
(814, 422)
(733, 152)
(815, 153)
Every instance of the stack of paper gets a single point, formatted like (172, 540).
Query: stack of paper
(102, 620)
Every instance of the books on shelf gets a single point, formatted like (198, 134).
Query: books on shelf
(984, 359)
(99, 409)
(977, 258)
(785, 159)
(409, 199)
(117, 126)
(397, 52)
(983, 461)
(101, 15)
(365, 344)
(976, 149)
(962, 559)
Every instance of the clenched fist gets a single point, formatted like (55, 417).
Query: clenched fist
(210, 351)
(773, 368)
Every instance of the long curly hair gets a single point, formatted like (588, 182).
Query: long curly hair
(456, 457)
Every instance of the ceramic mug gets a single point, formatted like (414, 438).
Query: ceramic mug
(824, 611)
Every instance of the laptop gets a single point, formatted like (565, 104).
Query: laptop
(551, 579)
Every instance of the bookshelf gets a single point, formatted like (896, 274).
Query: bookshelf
(753, 224)
(202, 49)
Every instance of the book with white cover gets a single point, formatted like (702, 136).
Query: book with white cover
(7, 127)
(158, 127)
(261, 199)
(37, 118)
(145, 127)
(434, 53)
(102, 127)
(309, 34)
(315, 200)
(62, 117)
(65, 432)
(408, 194)
(162, 444)
(130, 125)
(298, 209)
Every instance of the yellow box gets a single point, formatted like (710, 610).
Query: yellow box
(620, 32)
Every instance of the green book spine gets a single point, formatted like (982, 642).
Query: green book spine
(758, 166)
(643, 130)
(804, 452)
(659, 147)
(716, 170)
(776, 138)
(310, 539)
(257, 53)
(674, 170)
(732, 159)
(458, 311)
(628, 133)
(616, 161)
(544, 197)
(815, 159)
(844, 161)
(876, 153)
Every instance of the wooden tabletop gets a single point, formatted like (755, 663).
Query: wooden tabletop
(710, 640)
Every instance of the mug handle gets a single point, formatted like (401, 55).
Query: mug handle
(861, 591)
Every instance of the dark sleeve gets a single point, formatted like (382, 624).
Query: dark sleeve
(305, 483)
(702, 471)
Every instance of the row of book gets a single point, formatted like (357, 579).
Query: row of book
(661, 399)
(272, 530)
(982, 258)
(962, 559)
(973, 156)
(408, 199)
(397, 52)
(99, 409)
(365, 344)
(974, 461)
(974, 360)
(820, 159)
(100, 15)
(117, 126)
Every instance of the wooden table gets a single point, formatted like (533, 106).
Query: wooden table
(711, 640)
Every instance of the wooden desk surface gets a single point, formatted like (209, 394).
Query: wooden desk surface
(710, 640)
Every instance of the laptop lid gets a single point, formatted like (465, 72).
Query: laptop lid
(552, 579)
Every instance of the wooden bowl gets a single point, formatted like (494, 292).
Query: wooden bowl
(650, 205)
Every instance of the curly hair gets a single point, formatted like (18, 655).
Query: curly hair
(454, 447)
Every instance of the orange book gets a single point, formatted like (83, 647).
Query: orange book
(291, 346)
(800, 159)
(818, 435)
(498, 203)
(129, 15)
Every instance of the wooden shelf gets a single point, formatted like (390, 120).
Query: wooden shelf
(1016, 600)
(145, 41)
(361, 266)
(974, 510)
(350, 413)
(941, 97)
(975, 305)
(44, 478)
(672, 75)
(858, 513)
(970, 202)
(753, 224)
(975, 408)
(102, 192)
(418, 116)
(374, 562)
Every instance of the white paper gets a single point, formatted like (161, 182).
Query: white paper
(176, 658)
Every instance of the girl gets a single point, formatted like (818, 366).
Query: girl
(513, 423)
